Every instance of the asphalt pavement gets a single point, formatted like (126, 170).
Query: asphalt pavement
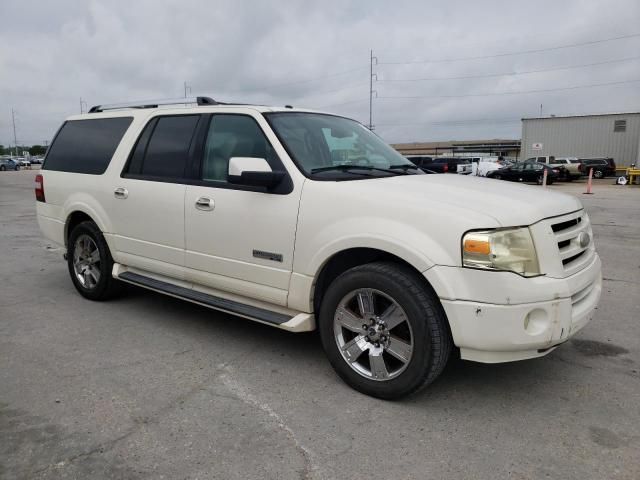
(150, 387)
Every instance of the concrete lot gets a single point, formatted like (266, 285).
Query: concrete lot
(147, 386)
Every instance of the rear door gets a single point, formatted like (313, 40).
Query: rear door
(240, 239)
(148, 198)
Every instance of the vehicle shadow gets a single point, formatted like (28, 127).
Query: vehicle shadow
(461, 381)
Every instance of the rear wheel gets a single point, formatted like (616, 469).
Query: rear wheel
(17, 167)
(383, 330)
(2, 168)
(90, 263)
(539, 180)
(497, 176)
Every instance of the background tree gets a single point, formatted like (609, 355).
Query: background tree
(37, 150)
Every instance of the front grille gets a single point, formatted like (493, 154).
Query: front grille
(558, 227)
(571, 259)
(567, 231)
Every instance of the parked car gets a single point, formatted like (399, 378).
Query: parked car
(602, 167)
(395, 268)
(421, 161)
(8, 164)
(489, 164)
(570, 168)
(450, 165)
(526, 172)
(23, 162)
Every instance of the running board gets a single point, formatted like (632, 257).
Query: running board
(230, 306)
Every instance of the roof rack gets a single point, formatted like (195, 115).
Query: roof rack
(155, 103)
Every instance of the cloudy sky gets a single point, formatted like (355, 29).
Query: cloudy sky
(445, 69)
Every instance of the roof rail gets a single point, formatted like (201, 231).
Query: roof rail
(155, 103)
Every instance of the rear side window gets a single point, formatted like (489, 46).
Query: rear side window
(162, 150)
(86, 146)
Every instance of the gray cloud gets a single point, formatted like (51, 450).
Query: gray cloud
(53, 53)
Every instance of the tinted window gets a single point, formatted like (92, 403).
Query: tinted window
(233, 136)
(168, 148)
(86, 146)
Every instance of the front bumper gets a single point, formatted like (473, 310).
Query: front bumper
(538, 314)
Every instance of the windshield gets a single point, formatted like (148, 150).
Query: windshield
(326, 145)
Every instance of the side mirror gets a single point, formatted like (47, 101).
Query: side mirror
(254, 172)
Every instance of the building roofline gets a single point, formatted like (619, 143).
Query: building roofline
(581, 116)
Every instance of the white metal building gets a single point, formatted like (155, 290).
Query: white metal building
(615, 135)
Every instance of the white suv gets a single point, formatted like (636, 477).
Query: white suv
(304, 220)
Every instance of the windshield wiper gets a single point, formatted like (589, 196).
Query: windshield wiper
(355, 167)
(405, 166)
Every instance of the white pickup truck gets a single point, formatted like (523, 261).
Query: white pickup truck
(304, 220)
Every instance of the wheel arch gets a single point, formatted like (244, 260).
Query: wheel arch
(346, 259)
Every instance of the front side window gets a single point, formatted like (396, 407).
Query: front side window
(233, 136)
(326, 145)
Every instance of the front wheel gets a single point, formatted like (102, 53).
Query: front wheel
(598, 174)
(384, 330)
(2, 168)
(17, 167)
(539, 180)
(497, 177)
(90, 263)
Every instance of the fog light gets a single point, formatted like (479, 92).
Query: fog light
(536, 322)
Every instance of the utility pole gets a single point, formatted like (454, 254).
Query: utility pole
(15, 138)
(371, 90)
(82, 105)
(186, 87)
(540, 109)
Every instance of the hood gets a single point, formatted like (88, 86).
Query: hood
(509, 204)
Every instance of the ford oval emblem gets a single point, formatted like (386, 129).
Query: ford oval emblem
(584, 239)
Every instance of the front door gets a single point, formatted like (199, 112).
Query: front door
(239, 239)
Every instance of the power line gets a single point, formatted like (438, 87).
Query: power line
(509, 54)
(309, 80)
(575, 87)
(343, 103)
(346, 87)
(456, 122)
(506, 74)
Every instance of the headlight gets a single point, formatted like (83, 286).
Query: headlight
(509, 250)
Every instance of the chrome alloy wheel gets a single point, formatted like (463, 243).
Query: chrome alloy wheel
(86, 261)
(370, 321)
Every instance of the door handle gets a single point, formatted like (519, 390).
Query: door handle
(205, 203)
(121, 192)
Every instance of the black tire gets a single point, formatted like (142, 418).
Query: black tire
(539, 180)
(598, 174)
(2, 168)
(17, 167)
(432, 342)
(107, 286)
(497, 177)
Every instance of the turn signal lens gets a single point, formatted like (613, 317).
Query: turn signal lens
(475, 245)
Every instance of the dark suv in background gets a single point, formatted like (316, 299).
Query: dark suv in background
(439, 164)
(602, 167)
